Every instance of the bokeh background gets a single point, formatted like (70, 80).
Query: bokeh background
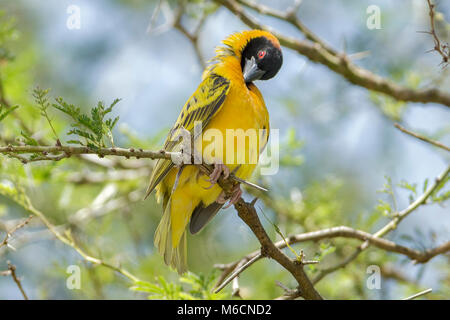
(339, 145)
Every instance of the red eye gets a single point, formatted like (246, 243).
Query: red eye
(261, 54)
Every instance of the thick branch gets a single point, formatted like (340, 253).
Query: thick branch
(340, 64)
(59, 152)
(56, 153)
(247, 213)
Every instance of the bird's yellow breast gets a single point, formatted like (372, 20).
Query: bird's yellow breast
(243, 112)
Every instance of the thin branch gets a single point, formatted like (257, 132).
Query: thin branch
(239, 268)
(56, 153)
(164, 7)
(236, 268)
(14, 229)
(324, 272)
(390, 272)
(68, 240)
(92, 177)
(12, 272)
(421, 137)
(99, 209)
(388, 227)
(442, 49)
(290, 15)
(4, 101)
(154, 16)
(335, 232)
(413, 206)
(236, 290)
(59, 152)
(346, 232)
(191, 36)
(289, 294)
(340, 64)
(422, 293)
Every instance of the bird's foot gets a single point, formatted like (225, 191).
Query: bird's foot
(236, 194)
(222, 198)
(219, 168)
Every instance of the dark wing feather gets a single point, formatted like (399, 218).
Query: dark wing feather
(202, 215)
(202, 106)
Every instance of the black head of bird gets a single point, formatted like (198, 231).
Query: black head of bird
(261, 59)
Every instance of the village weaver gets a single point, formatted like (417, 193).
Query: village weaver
(225, 99)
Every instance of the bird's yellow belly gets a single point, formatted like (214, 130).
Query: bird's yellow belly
(248, 115)
(235, 136)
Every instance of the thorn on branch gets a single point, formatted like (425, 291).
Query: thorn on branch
(422, 293)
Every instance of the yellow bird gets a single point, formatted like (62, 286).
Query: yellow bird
(225, 100)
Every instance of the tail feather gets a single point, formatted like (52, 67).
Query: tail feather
(175, 257)
(180, 255)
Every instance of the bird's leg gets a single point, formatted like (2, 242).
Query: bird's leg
(236, 194)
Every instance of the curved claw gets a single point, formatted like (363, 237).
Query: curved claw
(207, 188)
(222, 198)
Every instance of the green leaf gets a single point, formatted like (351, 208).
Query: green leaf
(411, 187)
(94, 128)
(75, 142)
(4, 111)
(29, 140)
(383, 207)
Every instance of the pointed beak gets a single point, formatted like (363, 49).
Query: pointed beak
(251, 71)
